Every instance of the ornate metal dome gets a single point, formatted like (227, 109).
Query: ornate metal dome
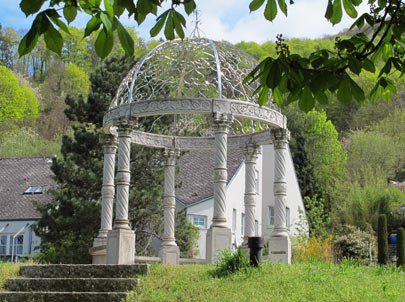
(190, 68)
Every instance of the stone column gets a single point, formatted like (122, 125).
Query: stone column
(121, 240)
(98, 252)
(279, 243)
(169, 251)
(219, 235)
(251, 154)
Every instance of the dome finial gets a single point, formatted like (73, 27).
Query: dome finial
(196, 32)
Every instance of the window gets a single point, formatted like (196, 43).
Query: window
(3, 245)
(40, 190)
(18, 245)
(287, 217)
(35, 190)
(234, 221)
(271, 216)
(30, 190)
(242, 224)
(200, 221)
(257, 182)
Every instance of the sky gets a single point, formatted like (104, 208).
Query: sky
(228, 20)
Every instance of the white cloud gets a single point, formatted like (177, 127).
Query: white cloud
(305, 20)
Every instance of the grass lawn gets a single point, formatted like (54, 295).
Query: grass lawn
(301, 282)
(274, 282)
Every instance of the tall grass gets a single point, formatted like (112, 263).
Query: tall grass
(300, 282)
(8, 270)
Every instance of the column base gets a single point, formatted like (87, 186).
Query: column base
(280, 249)
(99, 241)
(121, 247)
(170, 254)
(98, 254)
(218, 239)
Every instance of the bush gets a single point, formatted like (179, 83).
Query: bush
(382, 240)
(231, 262)
(351, 242)
(314, 249)
(401, 248)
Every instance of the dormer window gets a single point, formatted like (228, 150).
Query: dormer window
(35, 190)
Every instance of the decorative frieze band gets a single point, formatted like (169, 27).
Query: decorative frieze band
(236, 108)
(198, 143)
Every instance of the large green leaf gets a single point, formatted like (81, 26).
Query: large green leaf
(28, 42)
(329, 10)
(321, 97)
(155, 30)
(344, 93)
(109, 7)
(105, 18)
(104, 43)
(179, 22)
(145, 7)
(349, 8)
(306, 101)
(337, 12)
(274, 76)
(355, 65)
(54, 16)
(264, 95)
(283, 6)
(270, 12)
(126, 40)
(30, 7)
(53, 39)
(278, 98)
(190, 6)
(368, 65)
(70, 13)
(92, 25)
(357, 91)
(255, 5)
(169, 27)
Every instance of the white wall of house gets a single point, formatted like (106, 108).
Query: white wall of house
(24, 243)
(265, 199)
(204, 210)
(294, 199)
(235, 204)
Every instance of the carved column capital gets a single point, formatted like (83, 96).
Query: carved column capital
(222, 119)
(171, 156)
(251, 153)
(280, 137)
(125, 125)
(109, 143)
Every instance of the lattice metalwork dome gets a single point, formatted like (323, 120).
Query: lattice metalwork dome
(190, 68)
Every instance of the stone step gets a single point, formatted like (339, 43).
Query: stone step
(84, 270)
(62, 297)
(71, 285)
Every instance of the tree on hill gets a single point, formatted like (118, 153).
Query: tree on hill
(8, 46)
(16, 102)
(70, 223)
(291, 77)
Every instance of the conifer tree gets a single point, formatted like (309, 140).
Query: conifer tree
(70, 223)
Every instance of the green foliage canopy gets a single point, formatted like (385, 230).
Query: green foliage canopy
(76, 81)
(16, 102)
(291, 77)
